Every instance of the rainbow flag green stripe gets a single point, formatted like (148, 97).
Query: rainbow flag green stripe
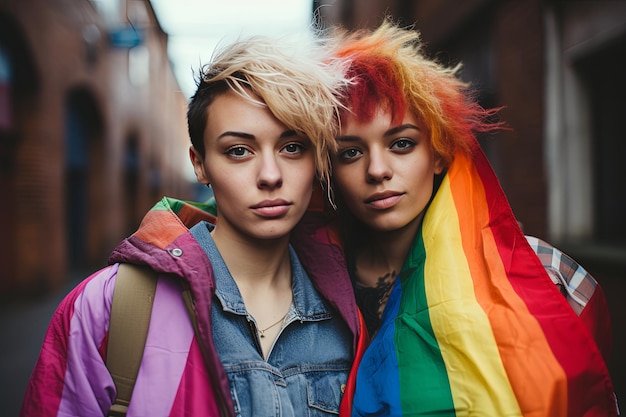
(415, 334)
(474, 325)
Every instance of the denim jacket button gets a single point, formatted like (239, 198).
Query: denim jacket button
(176, 252)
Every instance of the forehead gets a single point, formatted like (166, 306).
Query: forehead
(382, 118)
(231, 99)
(231, 111)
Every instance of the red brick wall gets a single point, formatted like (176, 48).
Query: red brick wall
(154, 112)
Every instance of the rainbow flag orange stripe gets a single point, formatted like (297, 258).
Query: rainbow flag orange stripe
(474, 325)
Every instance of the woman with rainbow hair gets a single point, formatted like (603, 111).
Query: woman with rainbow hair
(463, 310)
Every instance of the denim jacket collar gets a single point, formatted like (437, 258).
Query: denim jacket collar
(307, 303)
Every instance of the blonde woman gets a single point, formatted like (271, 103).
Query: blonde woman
(271, 339)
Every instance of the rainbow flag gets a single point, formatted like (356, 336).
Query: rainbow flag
(474, 326)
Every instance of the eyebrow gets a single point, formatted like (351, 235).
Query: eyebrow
(390, 132)
(243, 135)
(400, 128)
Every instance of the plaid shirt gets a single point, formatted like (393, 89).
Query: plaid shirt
(574, 282)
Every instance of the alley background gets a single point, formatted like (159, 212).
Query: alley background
(93, 97)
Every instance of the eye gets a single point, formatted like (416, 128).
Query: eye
(349, 154)
(237, 152)
(294, 148)
(402, 144)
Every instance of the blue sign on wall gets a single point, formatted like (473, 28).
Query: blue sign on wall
(125, 37)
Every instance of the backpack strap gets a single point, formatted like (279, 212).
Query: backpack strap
(131, 308)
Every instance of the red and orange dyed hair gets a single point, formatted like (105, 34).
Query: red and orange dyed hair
(390, 70)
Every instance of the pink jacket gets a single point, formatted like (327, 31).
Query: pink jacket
(180, 374)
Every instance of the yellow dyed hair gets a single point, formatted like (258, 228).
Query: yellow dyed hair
(296, 79)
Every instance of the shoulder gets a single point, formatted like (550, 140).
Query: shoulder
(91, 296)
(575, 283)
(581, 290)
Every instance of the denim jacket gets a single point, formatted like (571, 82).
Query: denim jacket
(307, 367)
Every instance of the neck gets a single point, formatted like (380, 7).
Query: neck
(383, 253)
(255, 263)
(262, 271)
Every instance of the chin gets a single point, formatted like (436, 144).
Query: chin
(385, 228)
(274, 233)
(389, 225)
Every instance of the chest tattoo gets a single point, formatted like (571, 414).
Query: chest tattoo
(372, 300)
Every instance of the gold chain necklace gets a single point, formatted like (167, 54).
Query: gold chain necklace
(262, 331)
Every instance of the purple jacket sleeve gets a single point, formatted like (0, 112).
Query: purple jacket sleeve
(70, 376)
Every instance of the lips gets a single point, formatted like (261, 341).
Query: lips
(384, 200)
(271, 208)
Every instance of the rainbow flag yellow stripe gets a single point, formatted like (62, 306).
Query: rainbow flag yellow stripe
(490, 314)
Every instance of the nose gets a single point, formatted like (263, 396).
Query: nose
(270, 173)
(378, 167)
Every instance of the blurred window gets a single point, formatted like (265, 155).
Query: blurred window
(6, 81)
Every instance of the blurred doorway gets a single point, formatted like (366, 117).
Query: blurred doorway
(84, 155)
(602, 73)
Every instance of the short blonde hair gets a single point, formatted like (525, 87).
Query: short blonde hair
(296, 79)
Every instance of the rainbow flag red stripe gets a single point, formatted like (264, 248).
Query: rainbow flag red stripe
(474, 325)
